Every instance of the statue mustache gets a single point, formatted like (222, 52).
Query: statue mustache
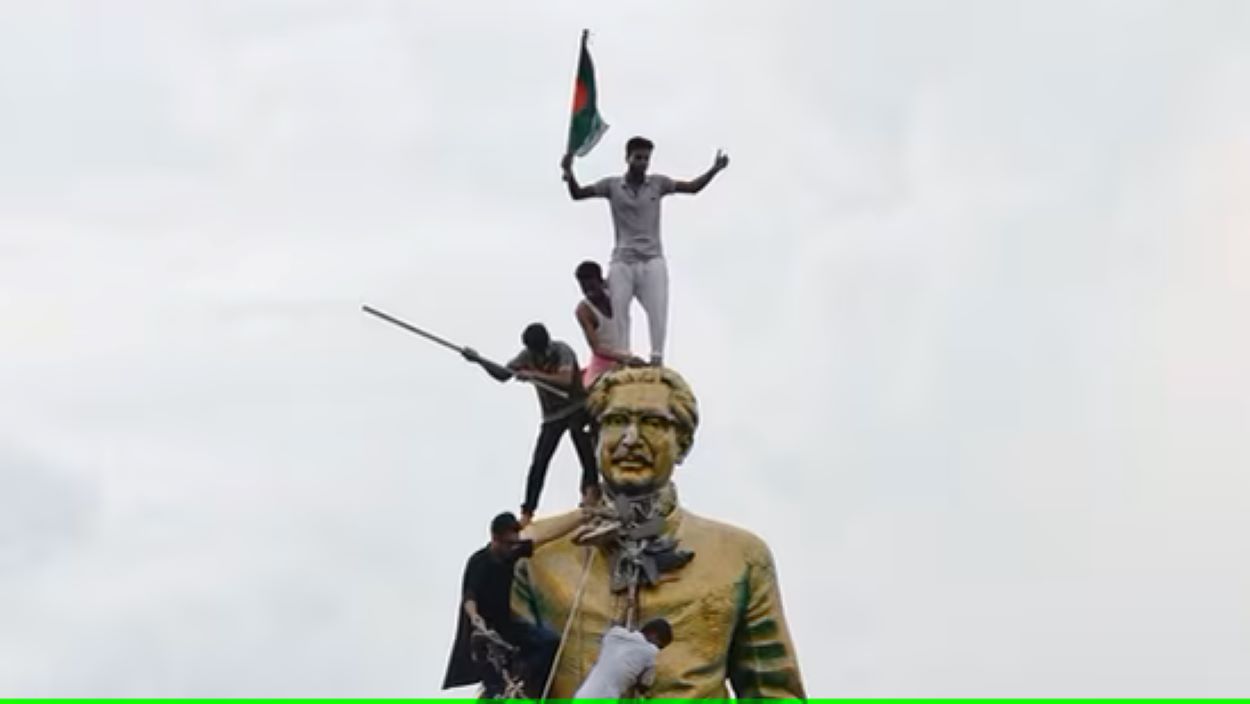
(624, 452)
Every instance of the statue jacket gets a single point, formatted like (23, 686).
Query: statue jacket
(724, 606)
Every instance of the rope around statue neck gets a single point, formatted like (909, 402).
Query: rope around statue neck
(568, 622)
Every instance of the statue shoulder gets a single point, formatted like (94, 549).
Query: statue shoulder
(727, 537)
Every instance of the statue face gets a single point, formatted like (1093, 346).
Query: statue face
(638, 438)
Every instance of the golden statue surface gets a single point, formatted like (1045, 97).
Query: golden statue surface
(724, 603)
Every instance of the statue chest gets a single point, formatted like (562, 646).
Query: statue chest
(702, 601)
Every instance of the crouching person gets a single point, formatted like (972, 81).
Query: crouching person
(491, 647)
(626, 661)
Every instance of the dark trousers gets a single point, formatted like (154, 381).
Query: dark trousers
(548, 438)
(537, 648)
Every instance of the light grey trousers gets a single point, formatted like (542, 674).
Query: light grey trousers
(648, 282)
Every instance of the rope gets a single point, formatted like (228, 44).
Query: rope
(568, 622)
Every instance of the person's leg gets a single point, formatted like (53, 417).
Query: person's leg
(653, 294)
(585, 454)
(544, 448)
(621, 285)
(538, 653)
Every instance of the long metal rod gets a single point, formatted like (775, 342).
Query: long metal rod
(412, 328)
(452, 346)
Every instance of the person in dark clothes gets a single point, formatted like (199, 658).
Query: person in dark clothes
(552, 362)
(485, 609)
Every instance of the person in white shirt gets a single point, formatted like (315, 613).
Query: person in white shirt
(626, 660)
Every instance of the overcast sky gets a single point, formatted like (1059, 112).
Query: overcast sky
(966, 316)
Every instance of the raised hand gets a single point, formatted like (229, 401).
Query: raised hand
(721, 161)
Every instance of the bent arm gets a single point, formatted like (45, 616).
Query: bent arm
(496, 372)
(562, 377)
(647, 680)
(468, 591)
(576, 190)
(697, 184)
(718, 164)
(587, 320)
(552, 528)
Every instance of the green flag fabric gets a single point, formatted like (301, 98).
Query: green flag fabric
(586, 126)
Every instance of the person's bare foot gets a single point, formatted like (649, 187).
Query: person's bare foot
(526, 519)
(591, 496)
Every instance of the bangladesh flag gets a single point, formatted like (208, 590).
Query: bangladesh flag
(586, 126)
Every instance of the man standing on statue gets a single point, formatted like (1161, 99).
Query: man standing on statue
(600, 325)
(638, 269)
(555, 364)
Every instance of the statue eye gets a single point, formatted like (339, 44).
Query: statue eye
(655, 423)
(615, 420)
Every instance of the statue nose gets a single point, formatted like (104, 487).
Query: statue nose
(631, 433)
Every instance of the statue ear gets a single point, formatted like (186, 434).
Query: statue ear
(684, 444)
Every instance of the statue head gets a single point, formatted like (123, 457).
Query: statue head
(647, 417)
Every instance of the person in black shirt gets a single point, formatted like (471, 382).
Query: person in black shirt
(485, 607)
(555, 363)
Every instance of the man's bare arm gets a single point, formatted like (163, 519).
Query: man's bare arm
(718, 164)
(587, 320)
(553, 528)
(563, 377)
(470, 608)
(576, 190)
(496, 372)
(647, 680)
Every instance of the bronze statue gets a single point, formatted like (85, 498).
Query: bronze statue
(648, 557)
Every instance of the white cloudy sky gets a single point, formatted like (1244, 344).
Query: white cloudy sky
(966, 315)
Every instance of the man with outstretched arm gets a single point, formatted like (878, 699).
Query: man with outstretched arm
(638, 269)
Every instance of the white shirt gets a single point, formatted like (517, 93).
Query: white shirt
(635, 215)
(626, 658)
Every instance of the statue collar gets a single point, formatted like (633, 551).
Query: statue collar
(640, 530)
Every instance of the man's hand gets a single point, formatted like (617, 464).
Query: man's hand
(523, 375)
(576, 190)
(479, 623)
(719, 163)
(470, 354)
